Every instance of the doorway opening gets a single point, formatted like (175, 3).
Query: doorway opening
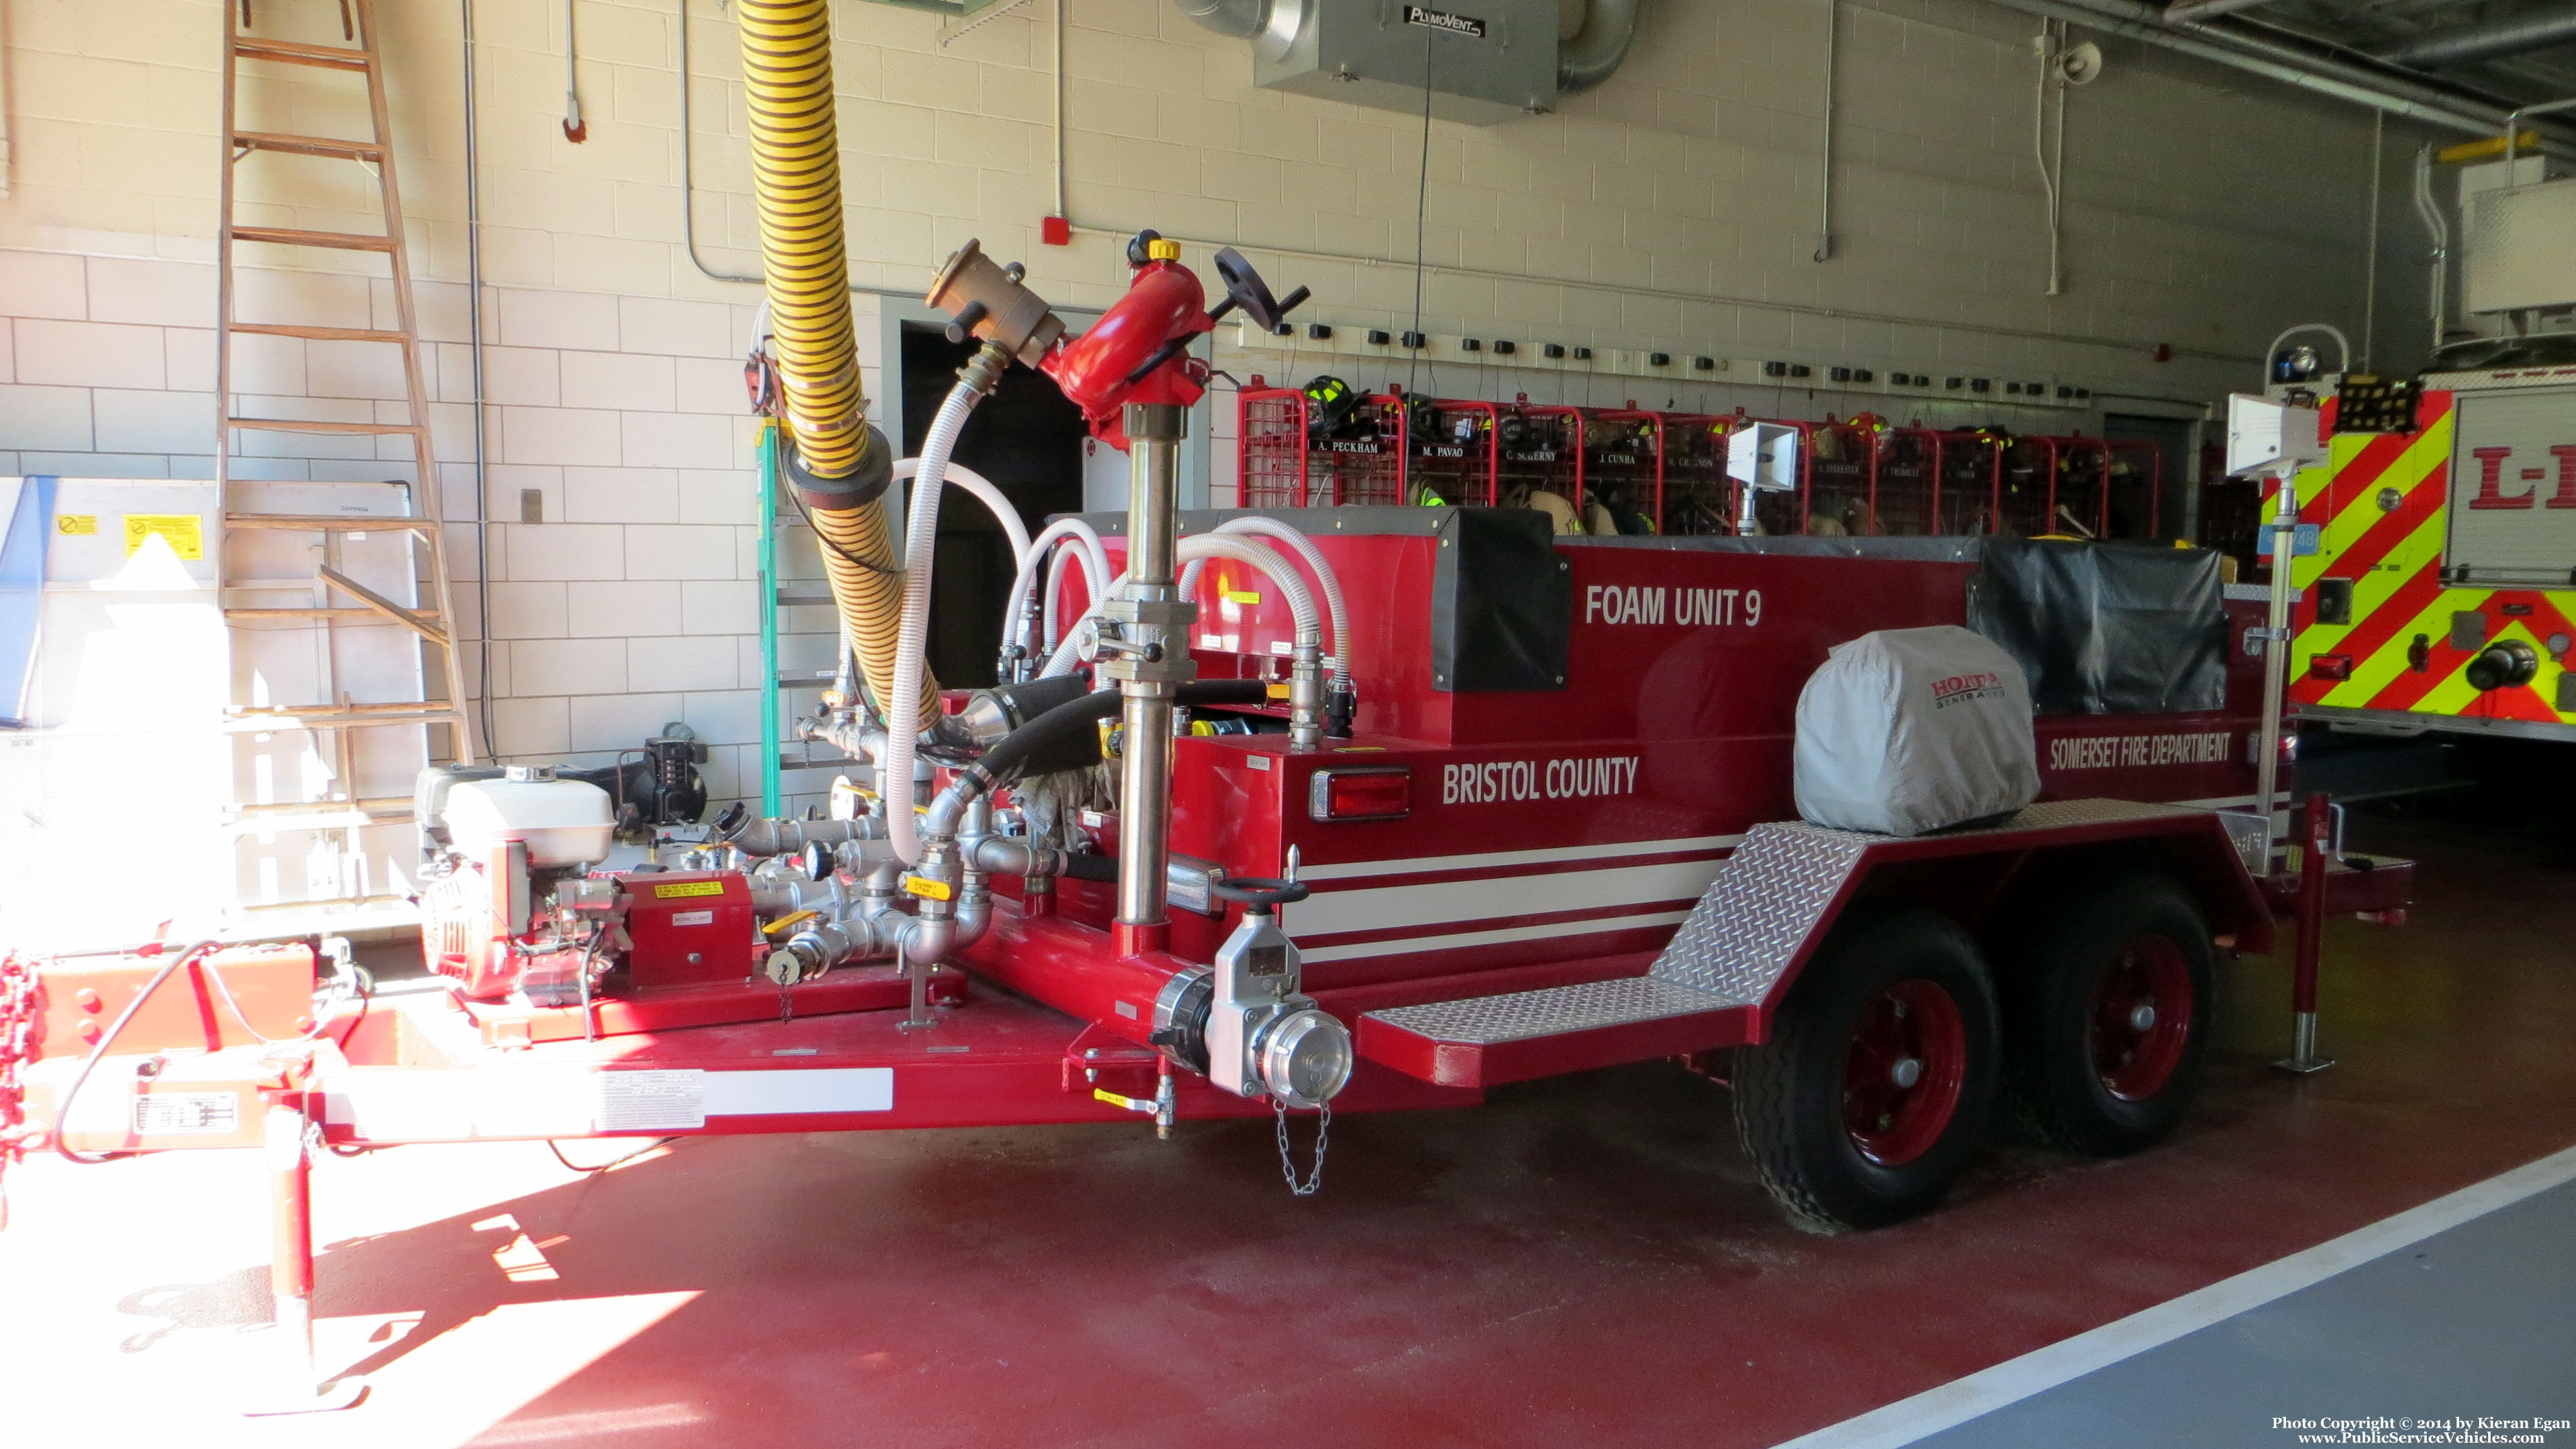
(2174, 513)
(1027, 440)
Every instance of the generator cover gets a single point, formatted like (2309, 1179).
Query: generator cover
(1908, 731)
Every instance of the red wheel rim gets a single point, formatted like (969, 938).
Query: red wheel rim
(2142, 1010)
(1901, 1078)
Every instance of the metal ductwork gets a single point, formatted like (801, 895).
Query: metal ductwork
(1486, 61)
(2514, 36)
(2433, 103)
(1596, 50)
(1242, 19)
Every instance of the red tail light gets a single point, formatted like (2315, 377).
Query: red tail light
(1372, 792)
(2330, 666)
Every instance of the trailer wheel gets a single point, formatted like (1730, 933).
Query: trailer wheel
(2107, 1015)
(1875, 1086)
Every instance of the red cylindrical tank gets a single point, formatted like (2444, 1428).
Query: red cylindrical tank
(1070, 967)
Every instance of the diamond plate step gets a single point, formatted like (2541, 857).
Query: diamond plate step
(1768, 907)
(1484, 1040)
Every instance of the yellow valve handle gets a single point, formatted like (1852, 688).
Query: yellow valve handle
(932, 890)
(780, 926)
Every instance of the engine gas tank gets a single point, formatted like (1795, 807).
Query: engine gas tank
(562, 822)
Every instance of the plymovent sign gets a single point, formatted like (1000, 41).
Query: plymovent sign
(1455, 24)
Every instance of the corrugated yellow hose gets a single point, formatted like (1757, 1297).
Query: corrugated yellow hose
(796, 176)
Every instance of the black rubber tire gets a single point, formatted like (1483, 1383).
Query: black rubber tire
(2051, 1079)
(1789, 1090)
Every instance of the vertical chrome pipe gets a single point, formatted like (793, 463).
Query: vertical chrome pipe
(1154, 435)
(2284, 529)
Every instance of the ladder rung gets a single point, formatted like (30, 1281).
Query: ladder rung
(370, 708)
(279, 720)
(308, 145)
(321, 334)
(388, 807)
(791, 598)
(334, 57)
(347, 241)
(820, 679)
(313, 611)
(317, 425)
(324, 522)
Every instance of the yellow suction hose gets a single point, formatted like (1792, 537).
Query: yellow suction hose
(796, 176)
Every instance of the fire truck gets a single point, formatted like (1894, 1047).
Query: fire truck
(2436, 550)
(2437, 568)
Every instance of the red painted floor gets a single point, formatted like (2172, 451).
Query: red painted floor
(1586, 1261)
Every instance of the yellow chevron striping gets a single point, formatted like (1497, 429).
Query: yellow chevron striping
(2384, 668)
(2455, 694)
(2371, 593)
(2359, 508)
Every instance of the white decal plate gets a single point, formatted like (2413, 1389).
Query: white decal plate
(187, 1113)
(652, 1101)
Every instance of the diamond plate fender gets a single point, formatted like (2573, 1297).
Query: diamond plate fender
(1775, 899)
(1762, 919)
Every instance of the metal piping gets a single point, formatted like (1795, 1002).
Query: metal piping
(1242, 19)
(2432, 104)
(1145, 758)
(2437, 305)
(2485, 42)
(689, 191)
(1825, 142)
(2178, 11)
(474, 352)
(1599, 48)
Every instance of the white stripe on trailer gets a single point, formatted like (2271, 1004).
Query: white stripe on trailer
(1330, 913)
(412, 1104)
(1407, 945)
(1424, 865)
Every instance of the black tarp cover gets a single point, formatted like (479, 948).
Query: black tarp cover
(2106, 628)
(1502, 603)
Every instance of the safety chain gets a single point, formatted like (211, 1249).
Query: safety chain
(1287, 1165)
(17, 1046)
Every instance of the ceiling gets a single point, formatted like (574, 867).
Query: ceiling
(2380, 29)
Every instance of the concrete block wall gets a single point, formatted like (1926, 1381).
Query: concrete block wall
(1674, 208)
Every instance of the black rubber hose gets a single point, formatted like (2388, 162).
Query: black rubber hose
(1224, 691)
(63, 1105)
(1091, 867)
(1005, 759)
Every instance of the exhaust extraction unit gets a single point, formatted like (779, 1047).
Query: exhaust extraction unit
(1483, 61)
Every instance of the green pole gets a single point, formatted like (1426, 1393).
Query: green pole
(769, 740)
